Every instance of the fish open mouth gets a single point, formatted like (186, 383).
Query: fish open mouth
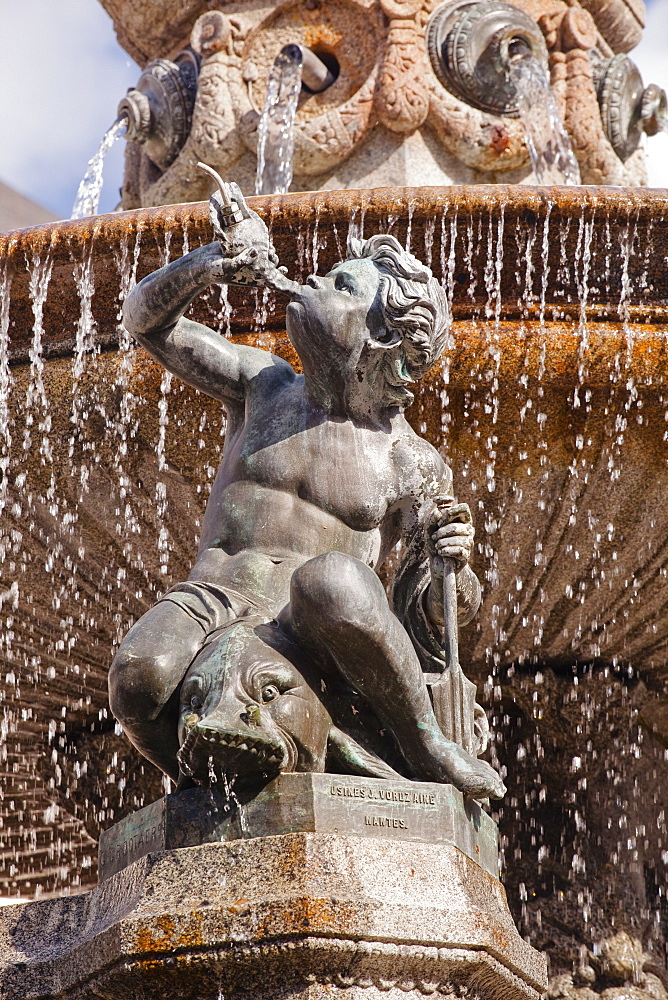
(207, 753)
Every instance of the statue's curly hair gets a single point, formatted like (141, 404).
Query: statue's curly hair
(415, 312)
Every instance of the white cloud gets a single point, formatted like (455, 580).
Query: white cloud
(62, 74)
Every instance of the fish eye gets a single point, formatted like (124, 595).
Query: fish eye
(270, 692)
(196, 702)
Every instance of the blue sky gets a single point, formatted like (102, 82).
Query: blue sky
(62, 74)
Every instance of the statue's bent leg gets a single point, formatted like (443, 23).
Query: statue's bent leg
(339, 611)
(145, 677)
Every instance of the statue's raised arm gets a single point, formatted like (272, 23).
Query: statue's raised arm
(153, 312)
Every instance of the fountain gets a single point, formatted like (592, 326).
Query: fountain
(550, 407)
(417, 93)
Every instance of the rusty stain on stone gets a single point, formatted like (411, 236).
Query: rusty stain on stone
(239, 905)
(165, 933)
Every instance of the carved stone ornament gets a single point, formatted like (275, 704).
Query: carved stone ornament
(418, 95)
(621, 96)
(468, 43)
(402, 100)
(160, 107)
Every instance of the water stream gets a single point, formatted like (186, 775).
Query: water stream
(88, 194)
(276, 127)
(552, 157)
(5, 383)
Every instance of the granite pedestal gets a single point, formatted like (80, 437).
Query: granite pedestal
(302, 910)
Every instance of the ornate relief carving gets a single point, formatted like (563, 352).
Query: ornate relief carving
(402, 99)
(481, 141)
(599, 164)
(214, 136)
(325, 141)
(570, 34)
(385, 80)
(210, 33)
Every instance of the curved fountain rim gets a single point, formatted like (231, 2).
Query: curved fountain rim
(595, 199)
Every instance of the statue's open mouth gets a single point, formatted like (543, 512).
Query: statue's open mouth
(207, 753)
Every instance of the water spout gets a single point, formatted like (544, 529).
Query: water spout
(159, 109)
(628, 108)
(88, 195)
(550, 149)
(276, 127)
(470, 45)
(317, 75)
(654, 110)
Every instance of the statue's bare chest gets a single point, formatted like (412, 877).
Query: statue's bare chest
(339, 467)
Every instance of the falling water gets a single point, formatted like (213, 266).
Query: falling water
(36, 398)
(84, 348)
(5, 384)
(161, 486)
(552, 157)
(88, 196)
(276, 128)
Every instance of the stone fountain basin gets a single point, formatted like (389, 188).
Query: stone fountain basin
(551, 407)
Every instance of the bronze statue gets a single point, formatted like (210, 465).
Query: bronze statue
(281, 650)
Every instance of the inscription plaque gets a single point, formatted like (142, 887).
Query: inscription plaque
(307, 802)
(143, 832)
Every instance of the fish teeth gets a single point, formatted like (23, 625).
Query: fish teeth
(258, 747)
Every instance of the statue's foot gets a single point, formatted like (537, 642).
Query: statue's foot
(477, 779)
(451, 764)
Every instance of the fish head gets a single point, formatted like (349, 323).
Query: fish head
(249, 710)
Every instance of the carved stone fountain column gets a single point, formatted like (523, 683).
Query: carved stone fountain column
(392, 115)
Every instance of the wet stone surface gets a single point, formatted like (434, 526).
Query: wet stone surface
(422, 812)
(303, 915)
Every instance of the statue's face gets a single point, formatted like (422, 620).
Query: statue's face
(337, 314)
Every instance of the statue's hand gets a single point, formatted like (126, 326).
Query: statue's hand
(248, 255)
(450, 535)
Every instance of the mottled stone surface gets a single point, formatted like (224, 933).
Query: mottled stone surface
(152, 29)
(301, 915)
(410, 811)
